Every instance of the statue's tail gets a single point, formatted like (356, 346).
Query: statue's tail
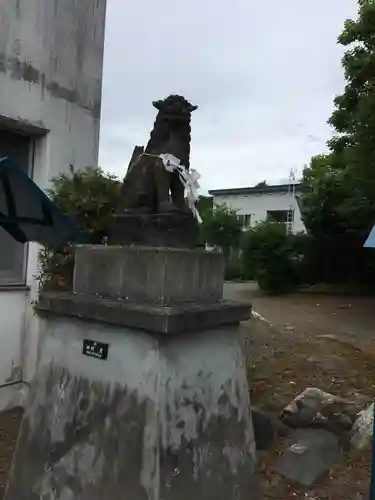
(137, 151)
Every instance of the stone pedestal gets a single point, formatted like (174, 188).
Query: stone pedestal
(147, 275)
(163, 230)
(140, 401)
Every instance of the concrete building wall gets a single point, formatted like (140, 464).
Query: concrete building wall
(50, 76)
(256, 205)
(51, 59)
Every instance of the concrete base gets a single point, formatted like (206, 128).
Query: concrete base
(156, 319)
(162, 418)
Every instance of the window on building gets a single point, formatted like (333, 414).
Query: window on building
(12, 253)
(245, 220)
(279, 215)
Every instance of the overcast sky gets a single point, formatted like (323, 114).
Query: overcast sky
(263, 74)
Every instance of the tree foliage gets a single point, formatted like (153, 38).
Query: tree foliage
(261, 184)
(221, 228)
(338, 200)
(275, 256)
(204, 205)
(90, 197)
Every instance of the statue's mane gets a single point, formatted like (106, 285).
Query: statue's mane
(174, 114)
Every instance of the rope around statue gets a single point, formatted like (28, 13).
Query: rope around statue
(189, 179)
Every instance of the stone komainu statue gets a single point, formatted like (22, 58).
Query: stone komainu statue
(148, 187)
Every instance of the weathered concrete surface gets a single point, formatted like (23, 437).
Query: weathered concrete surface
(56, 46)
(149, 275)
(157, 319)
(12, 306)
(158, 420)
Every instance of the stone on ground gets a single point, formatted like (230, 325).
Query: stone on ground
(313, 452)
(362, 430)
(316, 408)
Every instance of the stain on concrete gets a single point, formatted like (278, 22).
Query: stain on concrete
(3, 62)
(25, 71)
(65, 55)
(29, 73)
(18, 8)
(99, 450)
(214, 465)
(15, 374)
(16, 47)
(69, 95)
(14, 65)
(97, 455)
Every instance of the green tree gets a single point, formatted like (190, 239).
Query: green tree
(221, 228)
(338, 201)
(204, 205)
(90, 197)
(275, 256)
(261, 184)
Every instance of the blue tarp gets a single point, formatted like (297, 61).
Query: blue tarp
(27, 213)
(370, 242)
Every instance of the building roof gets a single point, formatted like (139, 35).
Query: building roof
(275, 188)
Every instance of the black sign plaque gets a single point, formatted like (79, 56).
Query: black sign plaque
(95, 349)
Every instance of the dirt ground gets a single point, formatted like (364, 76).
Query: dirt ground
(9, 426)
(312, 341)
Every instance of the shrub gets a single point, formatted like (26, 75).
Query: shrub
(275, 256)
(221, 229)
(236, 269)
(90, 197)
(247, 271)
(233, 270)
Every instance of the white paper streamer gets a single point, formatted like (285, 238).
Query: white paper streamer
(189, 179)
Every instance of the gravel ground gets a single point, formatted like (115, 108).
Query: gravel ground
(311, 341)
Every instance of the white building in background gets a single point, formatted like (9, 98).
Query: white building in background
(256, 204)
(51, 58)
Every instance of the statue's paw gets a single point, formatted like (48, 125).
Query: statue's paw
(166, 207)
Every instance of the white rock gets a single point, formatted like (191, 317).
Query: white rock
(316, 407)
(362, 429)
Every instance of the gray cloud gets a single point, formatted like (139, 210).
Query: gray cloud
(263, 75)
